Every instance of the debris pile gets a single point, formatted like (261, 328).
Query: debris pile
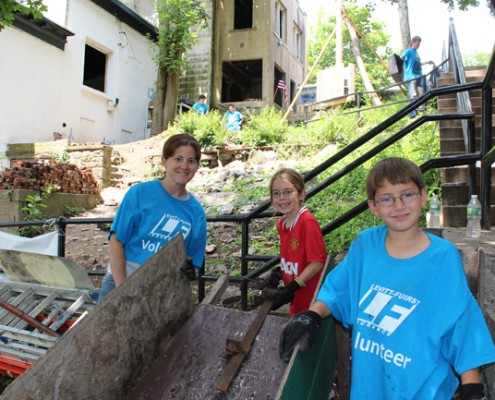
(43, 174)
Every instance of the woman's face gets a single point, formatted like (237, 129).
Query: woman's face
(182, 166)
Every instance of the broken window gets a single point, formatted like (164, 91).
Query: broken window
(242, 81)
(281, 21)
(95, 64)
(243, 14)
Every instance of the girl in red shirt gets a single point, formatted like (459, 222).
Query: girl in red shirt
(302, 249)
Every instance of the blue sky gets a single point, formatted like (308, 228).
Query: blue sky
(428, 19)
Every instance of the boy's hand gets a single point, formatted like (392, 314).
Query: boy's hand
(283, 295)
(300, 329)
(272, 280)
(188, 269)
(472, 391)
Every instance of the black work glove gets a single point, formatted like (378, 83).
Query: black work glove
(300, 329)
(188, 269)
(283, 295)
(272, 280)
(472, 391)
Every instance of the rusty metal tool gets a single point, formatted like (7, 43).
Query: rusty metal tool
(238, 349)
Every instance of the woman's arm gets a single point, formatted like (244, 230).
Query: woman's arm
(117, 260)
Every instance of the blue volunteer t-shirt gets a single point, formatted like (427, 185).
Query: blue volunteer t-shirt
(412, 319)
(149, 217)
(200, 108)
(412, 64)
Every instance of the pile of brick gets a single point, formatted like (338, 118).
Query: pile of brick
(42, 174)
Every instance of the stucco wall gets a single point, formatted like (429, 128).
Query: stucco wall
(45, 84)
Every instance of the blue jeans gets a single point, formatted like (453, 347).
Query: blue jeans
(416, 88)
(107, 285)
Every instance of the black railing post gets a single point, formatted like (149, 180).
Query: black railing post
(61, 229)
(486, 145)
(472, 167)
(244, 264)
(358, 104)
(305, 115)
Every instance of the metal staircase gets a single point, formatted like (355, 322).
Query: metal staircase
(455, 192)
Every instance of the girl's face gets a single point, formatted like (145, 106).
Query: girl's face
(182, 166)
(285, 197)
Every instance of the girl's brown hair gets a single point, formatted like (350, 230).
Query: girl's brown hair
(181, 139)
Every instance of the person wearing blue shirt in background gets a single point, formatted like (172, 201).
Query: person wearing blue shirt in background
(417, 330)
(417, 84)
(200, 107)
(233, 118)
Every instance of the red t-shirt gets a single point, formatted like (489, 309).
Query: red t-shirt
(298, 247)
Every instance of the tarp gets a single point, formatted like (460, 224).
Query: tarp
(44, 244)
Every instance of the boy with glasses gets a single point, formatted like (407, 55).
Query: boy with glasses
(404, 292)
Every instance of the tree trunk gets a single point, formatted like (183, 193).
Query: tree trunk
(405, 30)
(159, 103)
(359, 61)
(170, 106)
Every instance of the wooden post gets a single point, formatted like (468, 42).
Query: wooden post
(308, 75)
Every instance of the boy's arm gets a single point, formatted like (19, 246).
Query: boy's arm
(301, 329)
(471, 388)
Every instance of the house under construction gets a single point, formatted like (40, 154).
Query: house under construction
(252, 54)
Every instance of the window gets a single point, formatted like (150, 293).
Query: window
(242, 81)
(95, 63)
(243, 14)
(281, 21)
(298, 43)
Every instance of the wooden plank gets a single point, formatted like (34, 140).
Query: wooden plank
(244, 346)
(192, 364)
(216, 292)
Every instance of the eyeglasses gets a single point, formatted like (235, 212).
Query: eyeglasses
(388, 201)
(189, 161)
(286, 193)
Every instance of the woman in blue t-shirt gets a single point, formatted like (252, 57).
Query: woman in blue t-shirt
(153, 212)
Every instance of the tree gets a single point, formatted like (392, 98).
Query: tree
(8, 8)
(179, 22)
(373, 30)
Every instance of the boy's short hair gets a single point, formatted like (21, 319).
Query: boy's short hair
(415, 39)
(395, 170)
(202, 97)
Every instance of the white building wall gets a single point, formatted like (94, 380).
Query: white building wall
(41, 86)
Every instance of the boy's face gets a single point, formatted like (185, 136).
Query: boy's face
(404, 210)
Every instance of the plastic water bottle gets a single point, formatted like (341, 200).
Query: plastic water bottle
(434, 221)
(473, 217)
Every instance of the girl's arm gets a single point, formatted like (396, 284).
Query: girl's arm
(312, 269)
(117, 260)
